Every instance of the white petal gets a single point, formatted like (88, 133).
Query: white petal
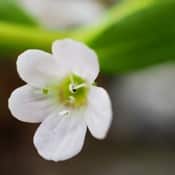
(37, 67)
(99, 112)
(29, 105)
(59, 138)
(77, 58)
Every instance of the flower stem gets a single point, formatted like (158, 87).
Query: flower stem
(24, 37)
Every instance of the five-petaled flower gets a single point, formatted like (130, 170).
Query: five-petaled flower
(60, 93)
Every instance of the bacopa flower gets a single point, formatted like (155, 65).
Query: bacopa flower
(60, 93)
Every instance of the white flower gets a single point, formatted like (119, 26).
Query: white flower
(60, 94)
(58, 14)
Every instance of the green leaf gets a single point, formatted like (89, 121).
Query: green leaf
(133, 35)
(11, 11)
(16, 38)
(138, 34)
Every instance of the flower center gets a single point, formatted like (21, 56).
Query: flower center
(72, 91)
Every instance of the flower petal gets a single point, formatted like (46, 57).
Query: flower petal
(37, 67)
(59, 138)
(29, 105)
(99, 112)
(77, 58)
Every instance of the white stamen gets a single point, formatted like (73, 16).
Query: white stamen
(80, 86)
(73, 87)
(71, 79)
(71, 99)
(64, 113)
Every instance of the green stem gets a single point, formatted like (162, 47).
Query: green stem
(17, 38)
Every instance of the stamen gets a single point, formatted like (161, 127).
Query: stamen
(64, 113)
(73, 88)
(71, 79)
(73, 92)
(80, 86)
(71, 99)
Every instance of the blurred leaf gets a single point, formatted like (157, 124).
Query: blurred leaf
(136, 34)
(133, 35)
(16, 38)
(11, 11)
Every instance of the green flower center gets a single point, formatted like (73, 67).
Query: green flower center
(72, 91)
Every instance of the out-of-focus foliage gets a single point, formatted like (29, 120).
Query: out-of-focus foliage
(10, 11)
(136, 34)
(132, 35)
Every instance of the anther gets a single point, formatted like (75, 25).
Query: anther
(71, 99)
(72, 88)
(64, 113)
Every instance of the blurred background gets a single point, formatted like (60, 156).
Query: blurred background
(141, 139)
